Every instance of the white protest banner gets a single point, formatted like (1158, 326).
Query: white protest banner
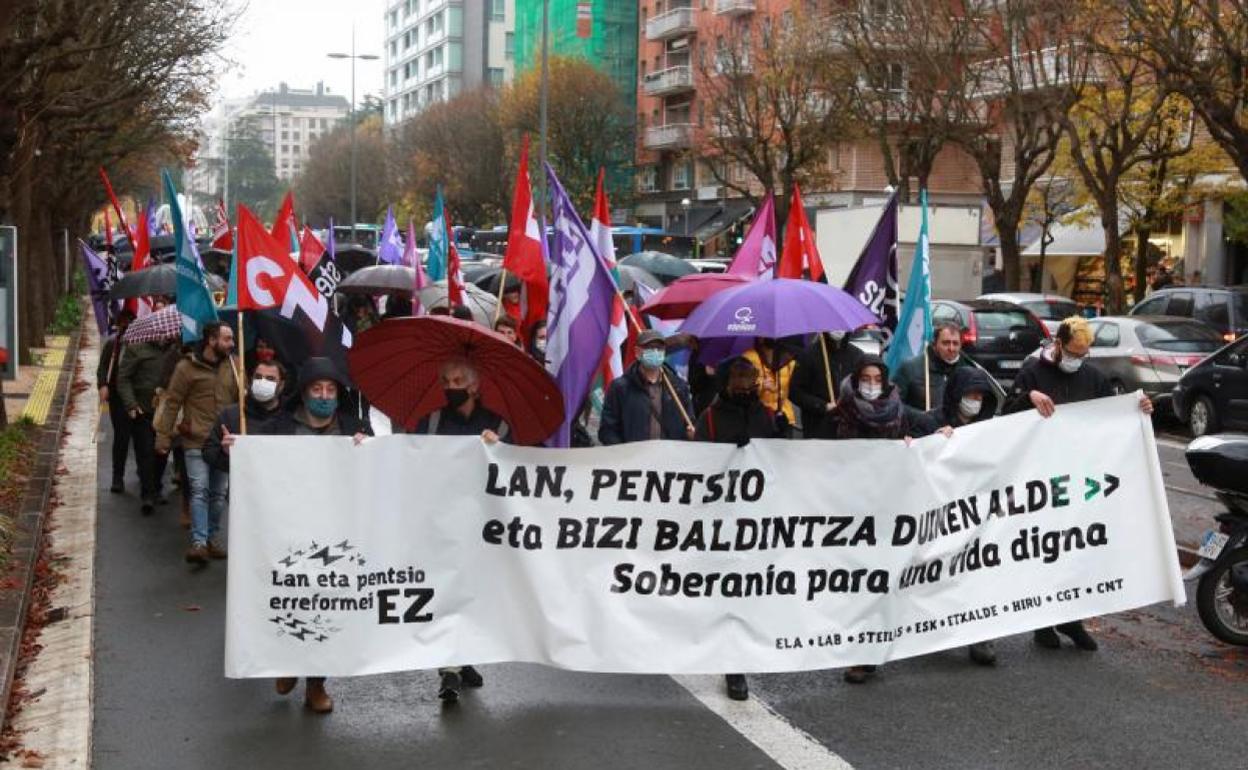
(412, 552)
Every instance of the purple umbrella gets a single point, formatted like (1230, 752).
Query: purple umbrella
(782, 307)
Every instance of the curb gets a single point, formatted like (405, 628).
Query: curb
(28, 538)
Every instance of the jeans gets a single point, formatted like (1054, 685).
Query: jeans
(210, 490)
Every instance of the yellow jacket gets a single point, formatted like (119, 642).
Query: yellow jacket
(773, 386)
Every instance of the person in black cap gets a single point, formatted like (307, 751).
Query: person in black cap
(639, 405)
(314, 412)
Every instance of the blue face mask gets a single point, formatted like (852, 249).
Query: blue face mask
(653, 358)
(321, 407)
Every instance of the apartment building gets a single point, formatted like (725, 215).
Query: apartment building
(438, 48)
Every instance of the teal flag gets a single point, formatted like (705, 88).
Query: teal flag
(435, 265)
(195, 303)
(914, 327)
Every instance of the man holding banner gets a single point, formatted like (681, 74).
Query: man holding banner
(1057, 376)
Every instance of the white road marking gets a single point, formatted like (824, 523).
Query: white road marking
(788, 745)
(1171, 443)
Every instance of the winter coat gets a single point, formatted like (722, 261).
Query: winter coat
(290, 422)
(773, 384)
(909, 378)
(449, 422)
(886, 417)
(626, 411)
(257, 417)
(727, 421)
(142, 367)
(809, 387)
(197, 393)
(965, 379)
(1042, 374)
(107, 371)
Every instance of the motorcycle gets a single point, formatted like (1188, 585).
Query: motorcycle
(1221, 462)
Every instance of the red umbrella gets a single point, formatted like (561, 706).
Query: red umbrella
(397, 364)
(684, 294)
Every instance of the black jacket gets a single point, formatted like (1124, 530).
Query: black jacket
(963, 380)
(626, 411)
(449, 422)
(909, 378)
(257, 417)
(841, 423)
(729, 422)
(1040, 373)
(110, 364)
(809, 387)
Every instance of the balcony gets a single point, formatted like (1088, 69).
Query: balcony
(674, 23)
(734, 7)
(1046, 68)
(673, 136)
(672, 80)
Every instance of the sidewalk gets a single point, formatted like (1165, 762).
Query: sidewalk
(30, 395)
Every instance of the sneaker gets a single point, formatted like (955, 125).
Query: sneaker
(1079, 635)
(983, 653)
(449, 691)
(471, 677)
(117, 488)
(859, 674)
(147, 507)
(1047, 637)
(197, 554)
(216, 551)
(738, 689)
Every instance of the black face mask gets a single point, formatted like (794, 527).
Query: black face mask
(456, 397)
(742, 397)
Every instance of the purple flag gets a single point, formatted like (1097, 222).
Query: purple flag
(152, 227)
(581, 294)
(874, 277)
(411, 258)
(99, 280)
(757, 256)
(329, 240)
(390, 248)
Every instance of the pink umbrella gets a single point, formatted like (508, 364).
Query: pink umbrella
(684, 294)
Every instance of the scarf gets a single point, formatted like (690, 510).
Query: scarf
(860, 418)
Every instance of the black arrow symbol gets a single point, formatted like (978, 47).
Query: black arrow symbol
(1111, 483)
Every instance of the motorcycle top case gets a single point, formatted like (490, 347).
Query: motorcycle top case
(1220, 461)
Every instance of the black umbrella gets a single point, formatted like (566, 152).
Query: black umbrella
(379, 279)
(155, 280)
(665, 267)
(630, 276)
(216, 261)
(490, 282)
(351, 257)
(475, 272)
(162, 244)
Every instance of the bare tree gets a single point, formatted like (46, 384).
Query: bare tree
(777, 101)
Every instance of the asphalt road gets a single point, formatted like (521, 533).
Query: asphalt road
(1160, 693)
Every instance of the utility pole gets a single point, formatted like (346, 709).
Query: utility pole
(351, 117)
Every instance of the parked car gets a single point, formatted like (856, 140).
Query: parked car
(1225, 308)
(1212, 396)
(1149, 353)
(998, 335)
(1051, 309)
(709, 265)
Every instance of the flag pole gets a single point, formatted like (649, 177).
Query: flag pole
(927, 381)
(827, 367)
(671, 389)
(242, 394)
(498, 307)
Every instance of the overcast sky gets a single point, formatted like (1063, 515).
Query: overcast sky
(286, 40)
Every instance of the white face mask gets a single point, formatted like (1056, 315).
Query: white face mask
(1069, 364)
(263, 390)
(539, 346)
(870, 392)
(969, 407)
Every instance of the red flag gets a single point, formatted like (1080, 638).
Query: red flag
(454, 278)
(265, 269)
(285, 216)
(140, 307)
(112, 196)
(800, 257)
(523, 257)
(310, 250)
(222, 237)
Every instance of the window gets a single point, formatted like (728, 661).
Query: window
(498, 10)
(495, 75)
(648, 179)
(285, 135)
(394, 78)
(407, 40)
(945, 313)
(394, 48)
(887, 77)
(394, 18)
(285, 149)
(509, 43)
(1181, 304)
(682, 176)
(1151, 306)
(1106, 336)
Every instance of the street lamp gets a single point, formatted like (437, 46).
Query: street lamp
(684, 204)
(353, 56)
